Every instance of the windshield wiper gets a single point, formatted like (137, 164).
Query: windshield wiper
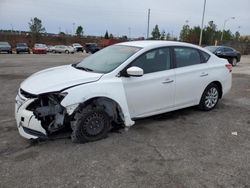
(83, 68)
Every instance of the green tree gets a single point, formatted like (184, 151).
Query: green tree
(237, 35)
(168, 36)
(106, 36)
(111, 36)
(36, 28)
(62, 33)
(163, 35)
(185, 33)
(79, 31)
(210, 33)
(156, 33)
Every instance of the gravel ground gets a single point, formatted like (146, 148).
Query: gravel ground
(185, 148)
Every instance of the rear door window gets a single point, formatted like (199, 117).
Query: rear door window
(185, 56)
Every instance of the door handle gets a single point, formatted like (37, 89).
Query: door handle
(167, 81)
(203, 74)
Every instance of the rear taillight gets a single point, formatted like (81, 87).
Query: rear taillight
(229, 67)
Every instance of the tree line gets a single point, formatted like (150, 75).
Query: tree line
(187, 34)
(192, 34)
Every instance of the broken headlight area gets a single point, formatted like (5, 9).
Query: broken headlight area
(49, 111)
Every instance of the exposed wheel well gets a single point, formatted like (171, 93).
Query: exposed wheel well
(111, 107)
(219, 87)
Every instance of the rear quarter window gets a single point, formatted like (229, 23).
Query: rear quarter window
(204, 56)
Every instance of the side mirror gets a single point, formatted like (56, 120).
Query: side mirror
(135, 71)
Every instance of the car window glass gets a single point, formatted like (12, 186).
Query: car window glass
(186, 56)
(228, 50)
(153, 61)
(205, 56)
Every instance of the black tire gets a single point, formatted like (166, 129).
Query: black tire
(67, 51)
(17, 52)
(234, 62)
(53, 51)
(91, 123)
(209, 98)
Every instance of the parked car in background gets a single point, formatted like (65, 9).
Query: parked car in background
(63, 49)
(232, 55)
(39, 49)
(5, 47)
(118, 84)
(91, 47)
(22, 48)
(78, 47)
(50, 48)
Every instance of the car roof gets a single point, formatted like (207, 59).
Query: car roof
(155, 43)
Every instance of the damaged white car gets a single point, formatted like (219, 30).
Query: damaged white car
(117, 85)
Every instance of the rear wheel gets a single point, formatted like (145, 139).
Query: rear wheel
(67, 51)
(210, 97)
(91, 123)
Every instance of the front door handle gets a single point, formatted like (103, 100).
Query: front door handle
(203, 74)
(167, 81)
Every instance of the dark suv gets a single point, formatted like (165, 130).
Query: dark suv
(5, 47)
(91, 47)
(225, 52)
(22, 47)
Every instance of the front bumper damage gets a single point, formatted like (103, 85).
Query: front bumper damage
(38, 116)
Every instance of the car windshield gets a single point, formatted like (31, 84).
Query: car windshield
(40, 46)
(4, 43)
(77, 44)
(108, 59)
(211, 48)
(21, 45)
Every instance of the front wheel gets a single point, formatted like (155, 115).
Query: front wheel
(209, 98)
(91, 123)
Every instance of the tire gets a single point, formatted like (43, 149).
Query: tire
(234, 62)
(17, 52)
(53, 51)
(67, 51)
(91, 123)
(209, 98)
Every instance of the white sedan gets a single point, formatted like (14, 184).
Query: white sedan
(63, 49)
(117, 85)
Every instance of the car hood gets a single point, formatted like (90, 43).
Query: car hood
(57, 79)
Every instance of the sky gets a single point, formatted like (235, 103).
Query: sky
(124, 17)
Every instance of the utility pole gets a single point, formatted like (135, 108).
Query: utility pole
(148, 23)
(202, 22)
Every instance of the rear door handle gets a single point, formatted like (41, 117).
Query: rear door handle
(203, 74)
(167, 81)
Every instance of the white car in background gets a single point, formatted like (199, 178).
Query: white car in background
(117, 85)
(78, 47)
(63, 49)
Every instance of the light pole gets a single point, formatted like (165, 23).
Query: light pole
(202, 22)
(226, 20)
(148, 23)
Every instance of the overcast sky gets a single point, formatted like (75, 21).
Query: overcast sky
(121, 17)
